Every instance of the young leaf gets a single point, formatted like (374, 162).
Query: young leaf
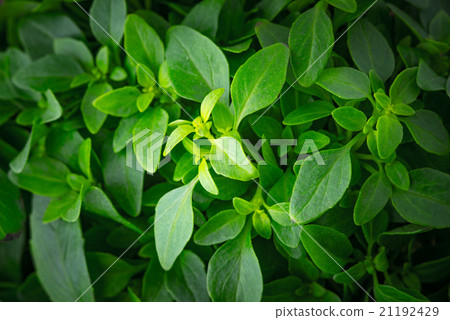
(143, 43)
(237, 281)
(289, 236)
(243, 207)
(370, 50)
(174, 223)
(84, 158)
(259, 80)
(329, 249)
(205, 178)
(209, 103)
(107, 19)
(120, 102)
(350, 118)
(177, 136)
(310, 41)
(202, 72)
(390, 135)
(429, 132)
(261, 223)
(372, 198)
(312, 196)
(64, 276)
(346, 83)
(228, 159)
(427, 201)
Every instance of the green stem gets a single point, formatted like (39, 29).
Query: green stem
(368, 168)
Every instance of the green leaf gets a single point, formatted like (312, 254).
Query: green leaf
(428, 80)
(205, 178)
(411, 23)
(313, 194)
(124, 132)
(174, 223)
(389, 135)
(53, 111)
(271, 33)
(344, 5)
(19, 162)
(289, 236)
(107, 19)
(346, 83)
(372, 198)
(427, 201)
(350, 118)
(209, 103)
(356, 272)
(94, 118)
(204, 17)
(221, 227)
(97, 202)
(240, 280)
(148, 137)
(244, 207)
(42, 176)
(145, 76)
(64, 277)
(310, 41)
(280, 213)
(142, 43)
(404, 88)
(102, 59)
(76, 50)
(370, 50)
(84, 158)
(202, 72)
(177, 136)
(429, 132)
(385, 293)
(261, 223)
(120, 102)
(270, 8)
(309, 112)
(111, 283)
(398, 175)
(186, 281)
(329, 249)
(124, 182)
(259, 80)
(228, 159)
(12, 215)
(37, 32)
(402, 109)
(154, 285)
(54, 72)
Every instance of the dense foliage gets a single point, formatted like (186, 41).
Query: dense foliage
(222, 209)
